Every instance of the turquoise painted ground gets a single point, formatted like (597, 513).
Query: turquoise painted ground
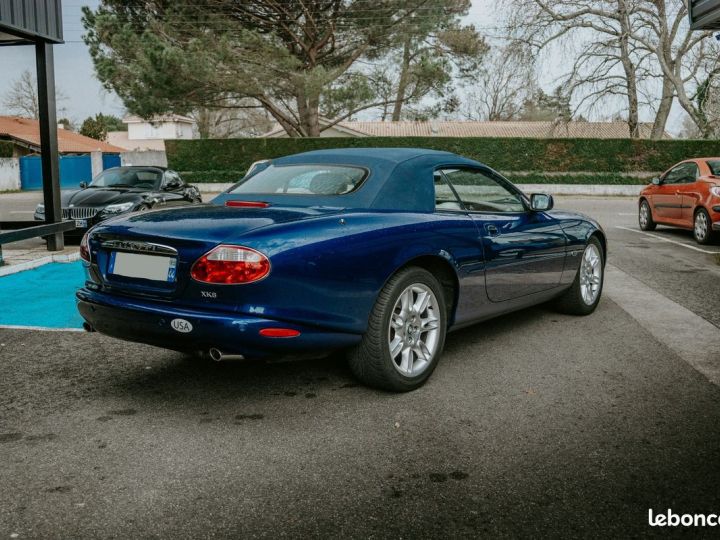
(43, 296)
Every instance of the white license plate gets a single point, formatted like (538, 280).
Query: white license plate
(81, 223)
(137, 265)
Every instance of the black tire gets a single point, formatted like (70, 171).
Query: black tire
(571, 301)
(371, 361)
(708, 237)
(649, 223)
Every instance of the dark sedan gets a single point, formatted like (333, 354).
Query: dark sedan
(122, 190)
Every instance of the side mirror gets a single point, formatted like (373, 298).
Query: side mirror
(656, 181)
(541, 202)
(83, 185)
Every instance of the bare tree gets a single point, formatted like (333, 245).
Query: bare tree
(607, 63)
(632, 48)
(231, 120)
(687, 61)
(504, 84)
(22, 98)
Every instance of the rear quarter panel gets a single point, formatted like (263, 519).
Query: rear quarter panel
(328, 271)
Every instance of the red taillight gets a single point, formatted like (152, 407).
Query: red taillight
(279, 332)
(85, 248)
(247, 204)
(230, 265)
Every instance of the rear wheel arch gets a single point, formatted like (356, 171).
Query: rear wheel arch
(444, 272)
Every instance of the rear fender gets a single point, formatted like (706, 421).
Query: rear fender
(329, 271)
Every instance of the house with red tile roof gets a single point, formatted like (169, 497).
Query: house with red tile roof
(24, 133)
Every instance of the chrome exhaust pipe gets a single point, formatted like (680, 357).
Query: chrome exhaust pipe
(219, 356)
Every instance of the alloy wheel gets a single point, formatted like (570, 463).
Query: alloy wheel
(701, 226)
(590, 274)
(644, 215)
(414, 332)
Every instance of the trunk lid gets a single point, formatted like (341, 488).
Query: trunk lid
(189, 231)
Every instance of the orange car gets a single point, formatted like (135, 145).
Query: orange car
(686, 196)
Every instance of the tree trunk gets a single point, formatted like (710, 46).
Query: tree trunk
(629, 68)
(309, 114)
(663, 112)
(403, 83)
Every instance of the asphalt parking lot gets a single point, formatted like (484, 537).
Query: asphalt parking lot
(534, 424)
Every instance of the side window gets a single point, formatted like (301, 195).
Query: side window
(684, 173)
(693, 173)
(481, 192)
(445, 198)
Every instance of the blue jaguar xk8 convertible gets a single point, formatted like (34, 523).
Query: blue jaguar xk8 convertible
(376, 251)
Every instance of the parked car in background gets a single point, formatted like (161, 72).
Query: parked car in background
(686, 196)
(377, 251)
(121, 190)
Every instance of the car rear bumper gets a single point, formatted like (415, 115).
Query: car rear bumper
(150, 322)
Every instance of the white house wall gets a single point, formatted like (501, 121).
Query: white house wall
(159, 130)
(9, 174)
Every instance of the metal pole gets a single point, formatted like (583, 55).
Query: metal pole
(48, 140)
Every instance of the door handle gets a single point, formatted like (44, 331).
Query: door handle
(491, 229)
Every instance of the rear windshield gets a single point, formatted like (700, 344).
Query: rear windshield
(714, 167)
(303, 180)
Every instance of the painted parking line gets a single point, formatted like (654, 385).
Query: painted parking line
(688, 335)
(22, 211)
(41, 328)
(627, 214)
(694, 248)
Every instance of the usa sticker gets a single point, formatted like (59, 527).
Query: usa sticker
(181, 325)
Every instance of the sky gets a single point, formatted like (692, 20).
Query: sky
(74, 72)
(75, 75)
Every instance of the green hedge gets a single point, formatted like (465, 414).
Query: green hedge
(6, 149)
(557, 155)
(203, 177)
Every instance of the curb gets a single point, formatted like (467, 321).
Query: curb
(584, 189)
(211, 187)
(29, 265)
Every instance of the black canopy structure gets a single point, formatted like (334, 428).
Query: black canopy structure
(704, 14)
(39, 23)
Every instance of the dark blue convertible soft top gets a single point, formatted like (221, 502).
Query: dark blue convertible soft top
(399, 178)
